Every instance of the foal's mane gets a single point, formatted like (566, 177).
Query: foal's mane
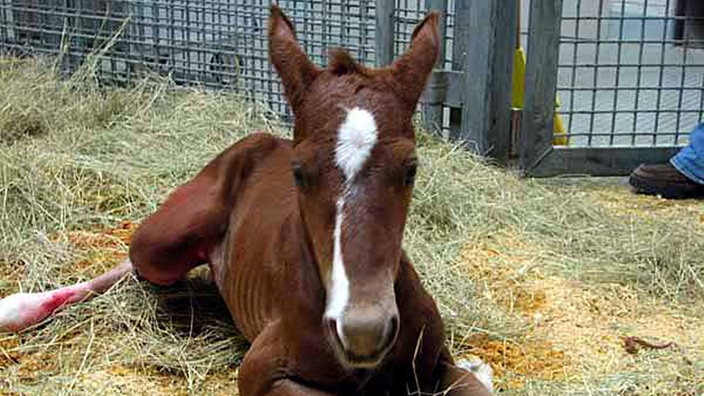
(341, 62)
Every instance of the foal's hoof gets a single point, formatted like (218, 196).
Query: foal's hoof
(22, 310)
(481, 370)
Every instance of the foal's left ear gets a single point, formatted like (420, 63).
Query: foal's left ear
(412, 69)
(291, 63)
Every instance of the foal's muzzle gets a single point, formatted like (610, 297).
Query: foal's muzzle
(364, 335)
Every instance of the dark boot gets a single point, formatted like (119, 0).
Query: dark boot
(664, 180)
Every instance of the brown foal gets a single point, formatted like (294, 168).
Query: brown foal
(303, 237)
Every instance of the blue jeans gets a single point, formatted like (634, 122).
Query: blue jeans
(690, 160)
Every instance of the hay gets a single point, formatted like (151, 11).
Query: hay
(79, 166)
(575, 329)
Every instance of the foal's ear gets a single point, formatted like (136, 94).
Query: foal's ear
(412, 69)
(287, 56)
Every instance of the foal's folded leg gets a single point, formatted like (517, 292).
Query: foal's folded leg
(193, 220)
(265, 368)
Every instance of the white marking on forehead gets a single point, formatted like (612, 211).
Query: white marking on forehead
(355, 141)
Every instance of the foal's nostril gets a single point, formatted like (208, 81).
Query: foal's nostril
(390, 333)
(332, 326)
(394, 329)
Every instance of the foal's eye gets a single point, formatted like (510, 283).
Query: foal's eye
(298, 176)
(410, 176)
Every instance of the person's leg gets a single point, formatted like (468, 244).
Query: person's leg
(690, 160)
(682, 177)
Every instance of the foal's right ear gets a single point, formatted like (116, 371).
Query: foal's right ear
(412, 69)
(287, 56)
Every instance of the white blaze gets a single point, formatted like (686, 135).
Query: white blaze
(339, 289)
(355, 140)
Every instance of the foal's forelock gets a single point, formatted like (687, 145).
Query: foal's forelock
(356, 138)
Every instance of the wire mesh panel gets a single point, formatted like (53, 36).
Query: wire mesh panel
(215, 43)
(631, 72)
(407, 15)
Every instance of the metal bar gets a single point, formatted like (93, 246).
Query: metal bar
(596, 74)
(573, 67)
(661, 72)
(618, 75)
(683, 72)
(433, 111)
(637, 111)
(616, 41)
(639, 73)
(541, 82)
(5, 29)
(599, 161)
(630, 18)
(644, 64)
(384, 32)
(629, 88)
(622, 134)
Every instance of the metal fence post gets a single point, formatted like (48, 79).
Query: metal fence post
(485, 33)
(384, 32)
(433, 110)
(541, 82)
(6, 33)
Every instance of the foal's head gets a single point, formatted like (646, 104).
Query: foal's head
(354, 163)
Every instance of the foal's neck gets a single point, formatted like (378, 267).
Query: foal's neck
(305, 268)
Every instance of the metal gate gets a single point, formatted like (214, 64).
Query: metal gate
(221, 44)
(630, 78)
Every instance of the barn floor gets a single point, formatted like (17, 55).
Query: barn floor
(543, 279)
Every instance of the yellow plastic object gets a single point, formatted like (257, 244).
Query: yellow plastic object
(519, 78)
(519, 82)
(559, 137)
